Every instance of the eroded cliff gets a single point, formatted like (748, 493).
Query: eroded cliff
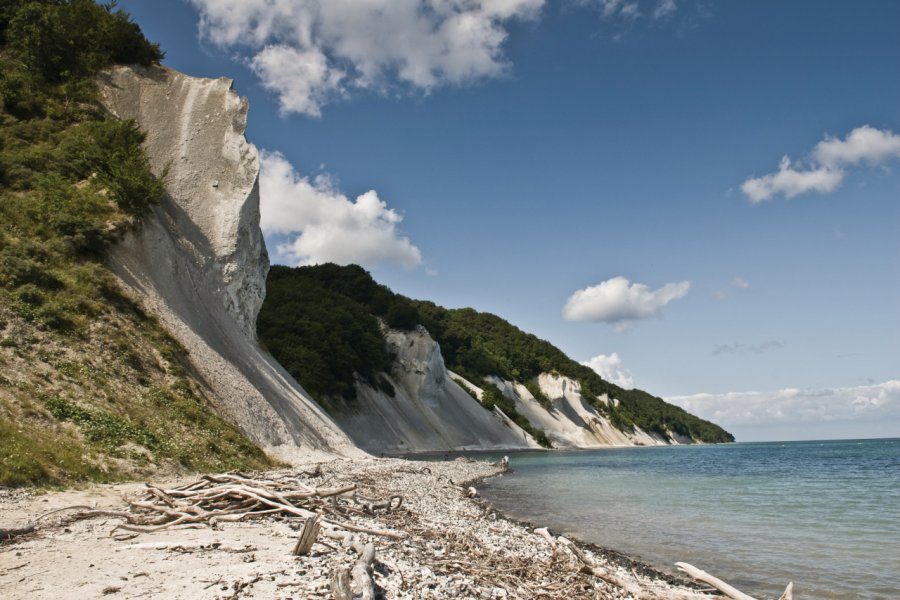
(572, 422)
(198, 261)
(428, 411)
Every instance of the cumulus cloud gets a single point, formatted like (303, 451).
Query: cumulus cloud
(791, 182)
(310, 52)
(610, 368)
(302, 79)
(827, 165)
(796, 406)
(619, 301)
(323, 225)
(863, 144)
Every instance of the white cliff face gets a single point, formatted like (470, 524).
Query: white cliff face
(571, 421)
(199, 262)
(195, 135)
(429, 411)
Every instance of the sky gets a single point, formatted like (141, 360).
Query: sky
(698, 198)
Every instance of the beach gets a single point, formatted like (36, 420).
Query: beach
(442, 544)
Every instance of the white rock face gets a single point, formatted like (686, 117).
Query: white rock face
(199, 262)
(571, 422)
(429, 411)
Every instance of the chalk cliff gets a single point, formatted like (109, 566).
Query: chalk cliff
(199, 262)
(571, 422)
(429, 411)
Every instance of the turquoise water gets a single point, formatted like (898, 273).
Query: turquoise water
(825, 515)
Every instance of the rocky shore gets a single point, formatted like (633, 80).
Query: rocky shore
(443, 543)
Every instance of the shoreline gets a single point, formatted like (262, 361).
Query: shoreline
(641, 565)
(456, 453)
(448, 546)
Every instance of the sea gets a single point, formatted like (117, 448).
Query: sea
(823, 514)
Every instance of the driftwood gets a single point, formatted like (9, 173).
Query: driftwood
(340, 584)
(190, 546)
(633, 586)
(723, 587)
(230, 497)
(355, 583)
(630, 586)
(8, 534)
(12, 533)
(589, 566)
(362, 585)
(371, 506)
(307, 536)
(215, 499)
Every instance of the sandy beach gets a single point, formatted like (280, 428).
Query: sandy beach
(444, 544)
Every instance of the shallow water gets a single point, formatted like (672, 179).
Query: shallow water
(825, 515)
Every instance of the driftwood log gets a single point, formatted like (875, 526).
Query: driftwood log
(230, 497)
(355, 583)
(362, 585)
(307, 536)
(8, 534)
(14, 532)
(723, 587)
(340, 584)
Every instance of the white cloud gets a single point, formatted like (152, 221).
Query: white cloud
(664, 8)
(791, 182)
(619, 301)
(828, 162)
(302, 79)
(796, 406)
(324, 225)
(863, 144)
(610, 368)
(740, 282)
(310, 52)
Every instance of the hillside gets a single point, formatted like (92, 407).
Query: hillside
(91, 386)
(335, 312)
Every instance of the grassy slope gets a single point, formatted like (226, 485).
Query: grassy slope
(474, 344)
(91, 388)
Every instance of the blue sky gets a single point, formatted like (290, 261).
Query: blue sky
(507, 154)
